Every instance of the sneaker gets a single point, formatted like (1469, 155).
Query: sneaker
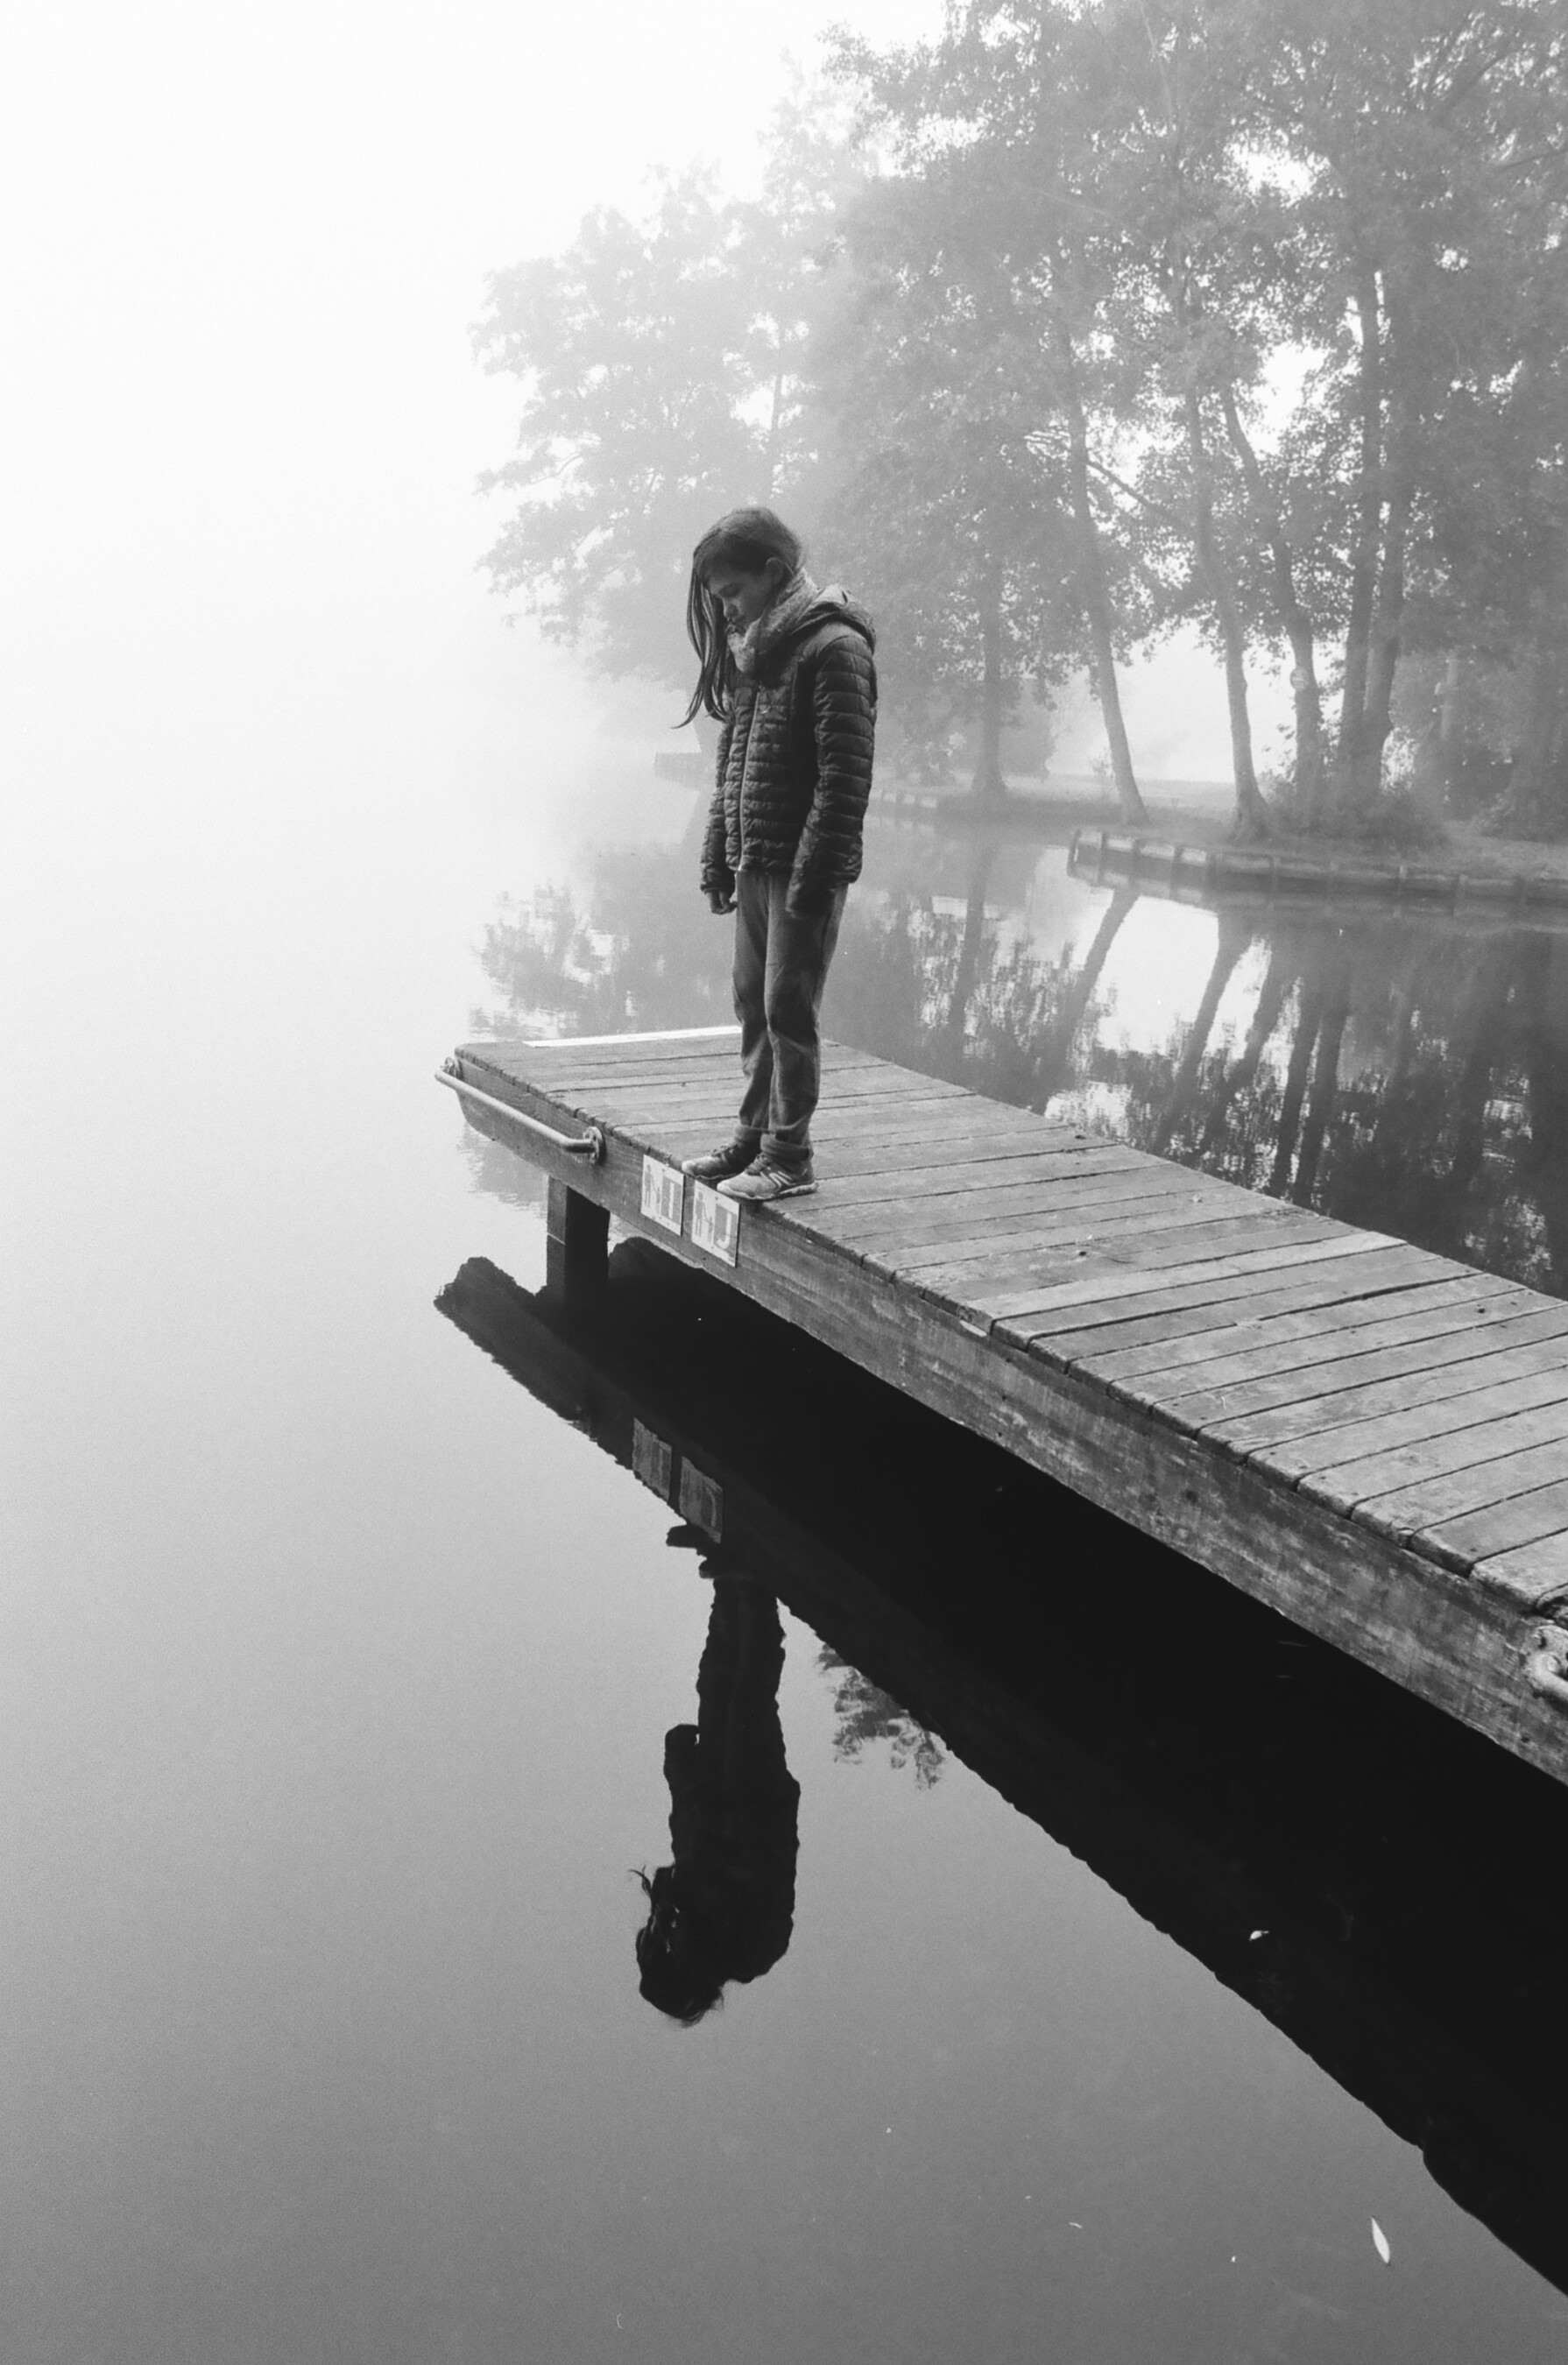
(733, 1157)
(763, 1180)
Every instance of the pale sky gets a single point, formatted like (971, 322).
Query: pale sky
(245, 246)
(241, 420)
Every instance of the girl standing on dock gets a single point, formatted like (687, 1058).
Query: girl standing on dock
(788, 670)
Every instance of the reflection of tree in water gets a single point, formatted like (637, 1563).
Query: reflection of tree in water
(645, 951)
(1387, 1078)
(1406, 1075)
(867, 1714)
(944, 992)
(960, 995)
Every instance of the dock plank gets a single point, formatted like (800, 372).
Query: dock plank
(983, 1209)
(1018, 1290)
(1433, 1424)
(1448, 1304)
(1318, 1381)
(1316, 1431)
(1324, 1350)
(1527, 1559)
(1430, 1506)
(1144, 1230)
(1452, 1449)
(634, 1101)
(1194, 1308)
(866, 1182)
(1013, 1280)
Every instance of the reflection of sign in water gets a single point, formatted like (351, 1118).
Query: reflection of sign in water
(664, 1194)
(701, 1502)
(715, 1223)
(651, 1460)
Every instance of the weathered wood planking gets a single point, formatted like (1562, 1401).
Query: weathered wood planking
(1371, 1439)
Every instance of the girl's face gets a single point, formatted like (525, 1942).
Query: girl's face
(743, 596)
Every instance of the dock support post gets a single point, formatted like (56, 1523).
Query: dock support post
(577, 1242)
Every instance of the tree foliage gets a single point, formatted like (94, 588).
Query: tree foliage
(662, 364)
(1109, 318)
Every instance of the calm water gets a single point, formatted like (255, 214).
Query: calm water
(342, 1642)
(1406, 1073)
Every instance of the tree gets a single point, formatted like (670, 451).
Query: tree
(989, 127)
(935, 496)
(661, 361)
(1250, 315)
(1424, 140)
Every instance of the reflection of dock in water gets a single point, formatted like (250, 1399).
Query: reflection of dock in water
(1258, 880)
(1371, 1439)
(1374, 1880)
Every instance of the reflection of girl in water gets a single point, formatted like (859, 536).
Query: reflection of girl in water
(724, 1908)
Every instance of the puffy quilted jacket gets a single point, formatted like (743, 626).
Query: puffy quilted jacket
(794, 767)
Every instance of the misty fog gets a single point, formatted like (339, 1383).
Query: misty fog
(334, 1669)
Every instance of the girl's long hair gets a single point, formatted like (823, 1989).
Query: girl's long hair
(746, 539)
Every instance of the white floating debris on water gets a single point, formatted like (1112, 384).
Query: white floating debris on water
(1074, 2224)
(1252, 1935)
(1379, 2242)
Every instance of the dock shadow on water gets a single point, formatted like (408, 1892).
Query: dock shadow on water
(1376, 1882)
(1405, 1071)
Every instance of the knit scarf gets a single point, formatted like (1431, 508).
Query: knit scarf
(781, 616)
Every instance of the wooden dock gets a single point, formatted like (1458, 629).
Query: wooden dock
(1371, 1439)
(1199, 872)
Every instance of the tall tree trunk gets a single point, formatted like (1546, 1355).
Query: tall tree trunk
(1486, 1018)
(1448, 715)
(1094, 592)
(1369, 537)
(1311, 748)
(1233, 941)
(1308, 1016)
(1402, 1032)
(1051, 1068)
(1251, 814)
(1325, 1084)
(1535, 793)
(1265, 1018)
(1389, 613)
(989, 785)
(1546, 1067)
(955, 1031)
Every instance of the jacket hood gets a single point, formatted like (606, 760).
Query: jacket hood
(800, 610)
(833, 605)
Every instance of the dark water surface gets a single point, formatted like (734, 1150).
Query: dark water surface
(342, 1641)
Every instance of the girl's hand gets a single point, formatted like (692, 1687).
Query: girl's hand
(719, 903)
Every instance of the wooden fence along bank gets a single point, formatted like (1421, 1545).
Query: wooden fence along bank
(1370, 1437)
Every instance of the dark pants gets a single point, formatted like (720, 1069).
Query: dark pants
(780, 967)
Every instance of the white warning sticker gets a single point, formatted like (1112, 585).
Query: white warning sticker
(664, 1194)
(715, 1223)
(651, 1460)
(701, 1502)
